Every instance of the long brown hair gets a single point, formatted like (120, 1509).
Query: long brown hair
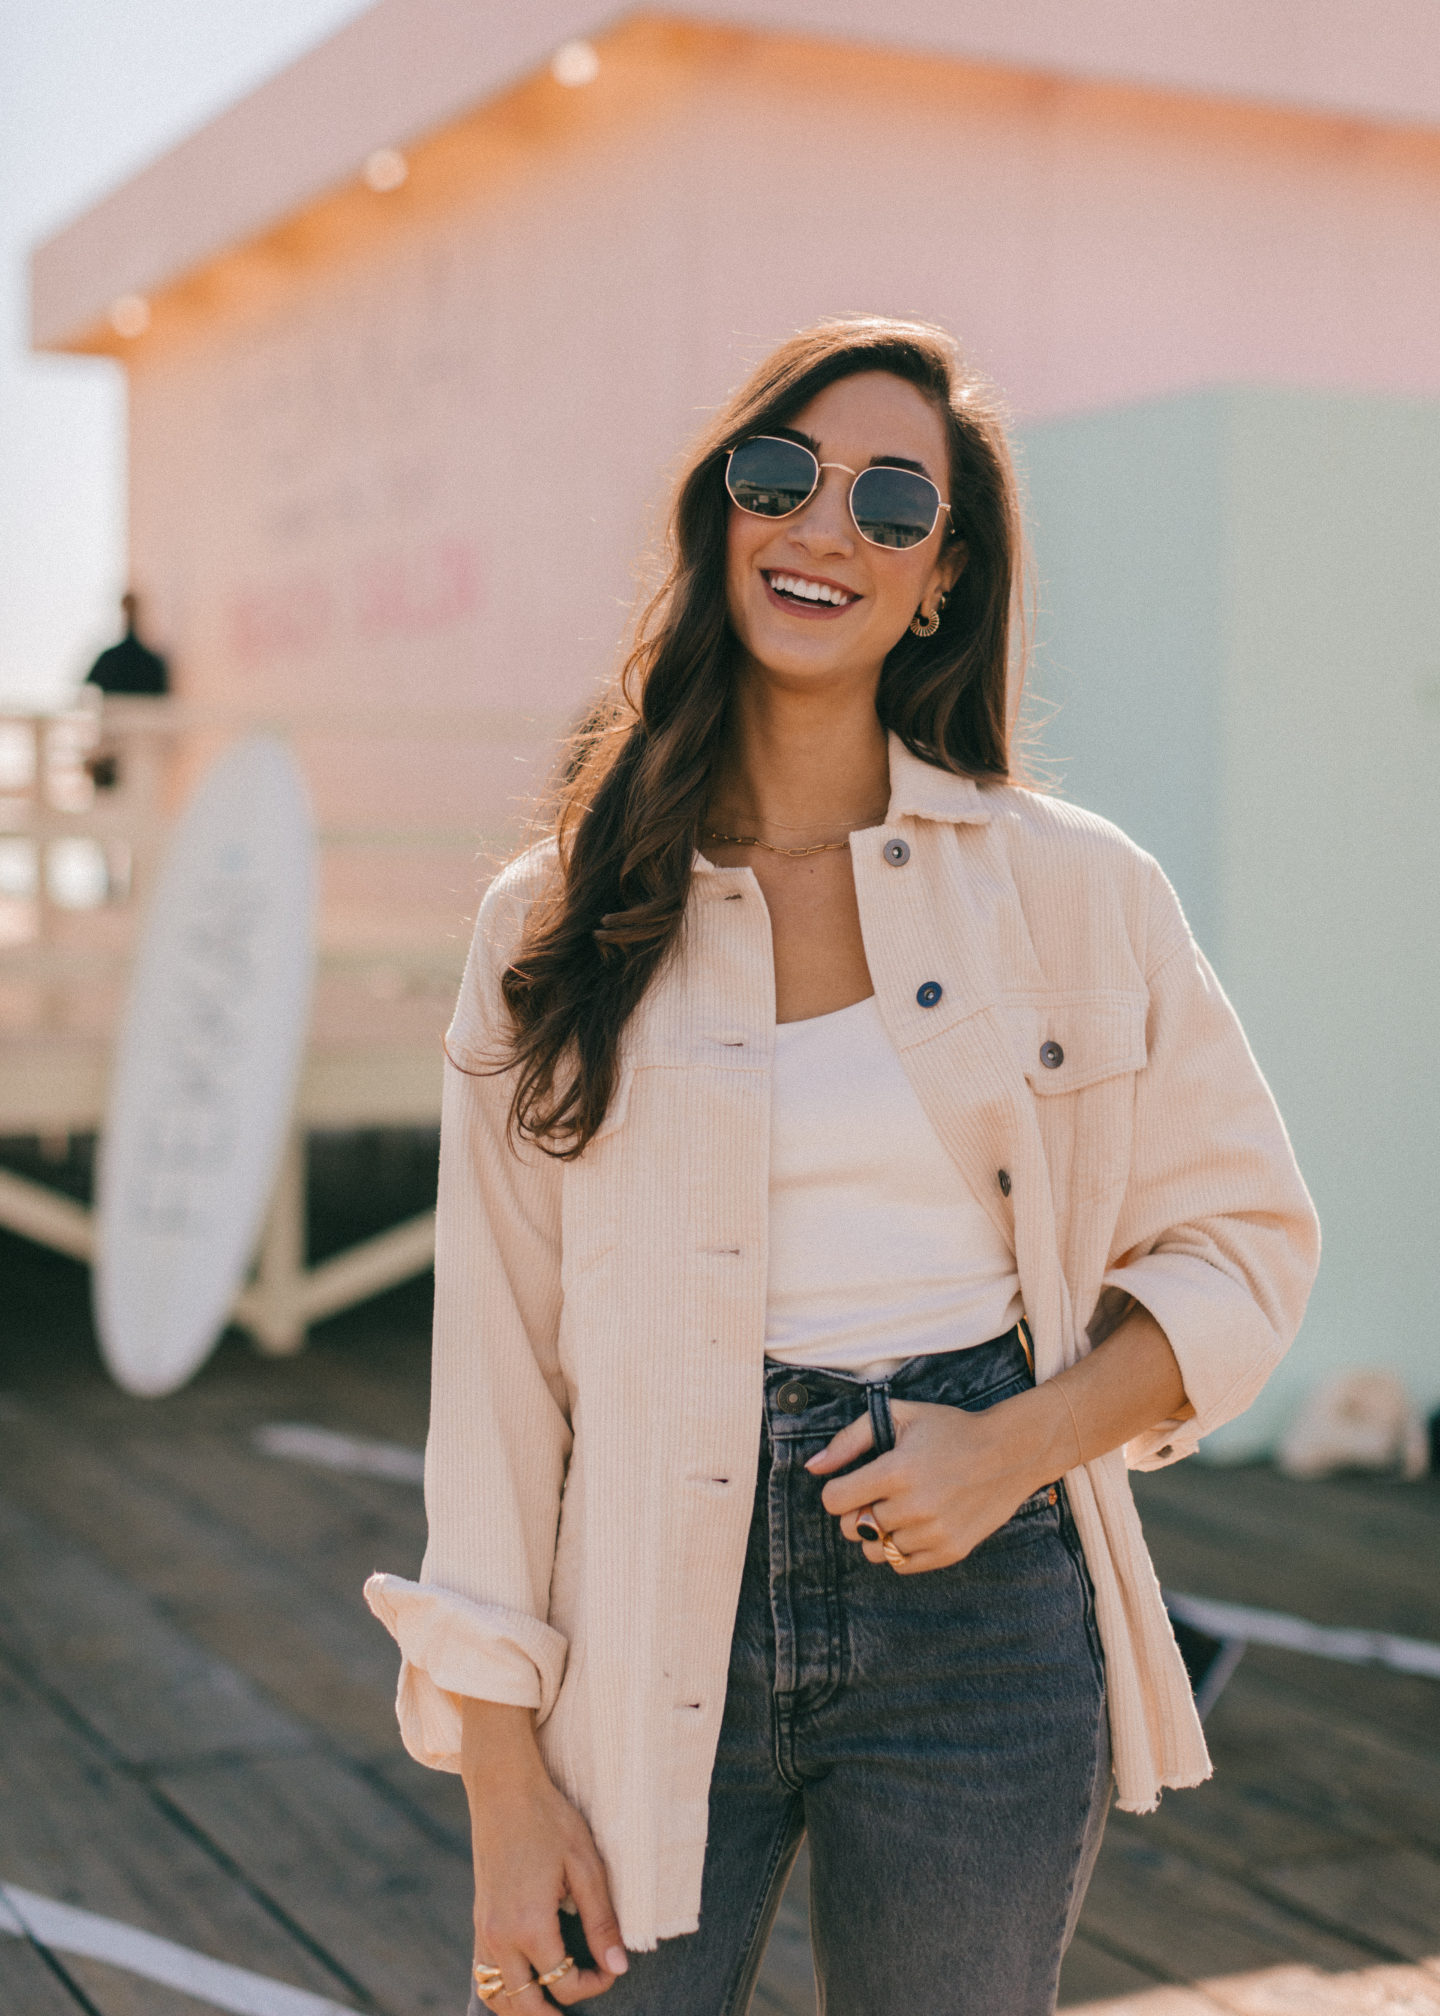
(638, 776)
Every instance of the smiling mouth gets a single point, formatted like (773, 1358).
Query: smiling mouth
(803, 591)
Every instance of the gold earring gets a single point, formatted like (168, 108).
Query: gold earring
(928, 627)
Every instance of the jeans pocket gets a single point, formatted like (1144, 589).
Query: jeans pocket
(1034, 1518)
(1046, 1499)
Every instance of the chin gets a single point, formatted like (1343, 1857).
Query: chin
(813, 667)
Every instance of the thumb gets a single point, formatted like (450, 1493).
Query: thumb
(846, 1447)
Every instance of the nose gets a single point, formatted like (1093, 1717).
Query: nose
(824, 525)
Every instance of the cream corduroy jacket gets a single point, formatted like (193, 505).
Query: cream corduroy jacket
(600, 1324)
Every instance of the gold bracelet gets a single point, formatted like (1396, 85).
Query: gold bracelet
(1074, 1425)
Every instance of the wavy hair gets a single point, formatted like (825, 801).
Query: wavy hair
(637, 776)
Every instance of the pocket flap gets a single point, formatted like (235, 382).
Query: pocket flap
(1070, 1042)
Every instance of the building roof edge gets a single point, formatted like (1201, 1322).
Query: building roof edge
(404, 68)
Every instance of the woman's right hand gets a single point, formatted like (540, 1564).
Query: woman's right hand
(531, 1849)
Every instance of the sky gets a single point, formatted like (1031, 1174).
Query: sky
(91, 90)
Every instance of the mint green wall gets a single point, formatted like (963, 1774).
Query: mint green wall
(1240, 625)
(1126, 516)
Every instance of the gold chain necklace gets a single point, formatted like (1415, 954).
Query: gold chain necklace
(795, 853)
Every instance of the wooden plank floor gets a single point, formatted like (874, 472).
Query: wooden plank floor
(197, 1735)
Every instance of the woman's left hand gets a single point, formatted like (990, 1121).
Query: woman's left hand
(952, 1478)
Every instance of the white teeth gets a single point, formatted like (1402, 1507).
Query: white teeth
(809, 591)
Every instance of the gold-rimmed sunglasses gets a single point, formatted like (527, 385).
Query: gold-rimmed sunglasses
(772, 477)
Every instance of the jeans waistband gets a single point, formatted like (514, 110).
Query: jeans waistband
(810, 1401)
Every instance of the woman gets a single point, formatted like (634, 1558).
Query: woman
(849, 1164)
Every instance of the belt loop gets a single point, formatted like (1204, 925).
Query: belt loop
(877, 1399)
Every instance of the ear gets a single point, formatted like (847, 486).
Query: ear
(947, 569)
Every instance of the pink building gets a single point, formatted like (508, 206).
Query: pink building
(413, 333)
(402, 443)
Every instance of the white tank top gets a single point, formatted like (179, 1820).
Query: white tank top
(878, 1249)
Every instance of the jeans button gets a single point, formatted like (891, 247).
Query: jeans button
(793, 1397)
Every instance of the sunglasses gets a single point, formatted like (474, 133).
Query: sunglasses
(771, 477)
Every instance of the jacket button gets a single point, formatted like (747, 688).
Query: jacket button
(1003, 1179)
(793, 1397)
(897, 852)
(929, 994)
(1051, 1056)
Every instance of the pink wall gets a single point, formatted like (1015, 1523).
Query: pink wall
(407, 448)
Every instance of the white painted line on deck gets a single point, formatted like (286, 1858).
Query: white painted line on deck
(64, 1928)
(1294, 1634)
(303, 1444)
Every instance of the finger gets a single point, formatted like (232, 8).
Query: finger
(576, 1984)
(868, 1524)
(925, 1561)
(515, 1971)
(852, 1441)
(568, 1982)
(919, 1539)
(482, 1970)
(865, 1486)
(916, 1540)
(926, 1546)
(597, 1918)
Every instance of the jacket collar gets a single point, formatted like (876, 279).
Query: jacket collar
(918, 790)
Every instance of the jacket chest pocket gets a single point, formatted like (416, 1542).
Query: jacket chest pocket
(1080, 1054)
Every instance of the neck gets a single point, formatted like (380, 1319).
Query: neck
(802, 764)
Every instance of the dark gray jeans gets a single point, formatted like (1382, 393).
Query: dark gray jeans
(941, 1739)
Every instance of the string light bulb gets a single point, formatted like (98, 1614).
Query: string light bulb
(130, 315)
(575, 63)
(386, 169)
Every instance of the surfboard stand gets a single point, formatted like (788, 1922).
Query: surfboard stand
(285, 1296)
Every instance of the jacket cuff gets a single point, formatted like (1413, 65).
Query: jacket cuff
(1225, 1348)
(454, 1647)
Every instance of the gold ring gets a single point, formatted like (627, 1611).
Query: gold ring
(489, 1981)
(555, 1973)
(887, 1545)
(533, 1982)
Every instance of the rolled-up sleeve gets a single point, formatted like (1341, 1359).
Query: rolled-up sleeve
(475, 1623)
(1216, 1235)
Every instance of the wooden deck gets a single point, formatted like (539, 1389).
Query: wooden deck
(197, 1736)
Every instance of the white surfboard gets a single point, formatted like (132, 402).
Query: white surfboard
(205, 1068)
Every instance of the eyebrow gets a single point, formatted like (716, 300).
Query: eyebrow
(875, 462)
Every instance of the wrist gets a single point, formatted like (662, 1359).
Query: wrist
(497, 1745)
(1046, 1433)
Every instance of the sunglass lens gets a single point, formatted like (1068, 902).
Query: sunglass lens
(770, 477)
(894, 507)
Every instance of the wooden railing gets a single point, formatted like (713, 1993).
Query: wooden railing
(407, 840)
